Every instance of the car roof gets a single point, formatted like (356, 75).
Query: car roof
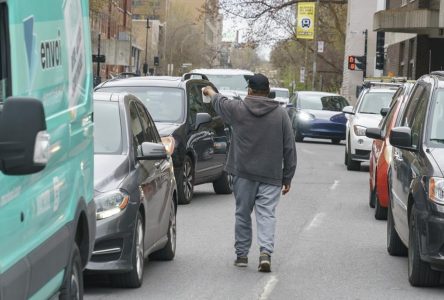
(222, 72)
(161, 81)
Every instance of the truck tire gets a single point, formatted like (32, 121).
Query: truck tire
(72, 287)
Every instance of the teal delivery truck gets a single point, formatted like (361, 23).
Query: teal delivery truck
(47, 212)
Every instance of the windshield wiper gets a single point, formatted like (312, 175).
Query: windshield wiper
(437, 140)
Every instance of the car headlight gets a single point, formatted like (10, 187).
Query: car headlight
(305, 116)
(436, 190)
(359, 130)
(110, 204)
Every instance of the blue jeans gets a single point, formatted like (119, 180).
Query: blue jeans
(264, 199)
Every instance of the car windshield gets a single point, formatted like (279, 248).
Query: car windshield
(163, 103)
(372, 103)
(107, 128)
(322, 102)
(437, 124)
(230, 82)
(281, 93)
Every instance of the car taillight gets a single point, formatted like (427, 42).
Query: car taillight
(169, 143)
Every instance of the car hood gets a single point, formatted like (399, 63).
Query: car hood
(109, 171)
(166, 129)
(367, 120)
(438, 156)
(334, 116)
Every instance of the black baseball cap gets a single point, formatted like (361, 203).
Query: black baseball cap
(259, 82)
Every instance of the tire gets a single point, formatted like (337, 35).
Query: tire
(380, 212)
(169, 251)
(420, 272)
(223, 184)
(72, 287)
(185, 181)
(395, 247)
(298, 137)
(372, 198)
(352, 165)
(336, 141)
(345, 157)
(134, 278)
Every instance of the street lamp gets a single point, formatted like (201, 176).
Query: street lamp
(145, 65)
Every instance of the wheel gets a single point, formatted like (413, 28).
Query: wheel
(134, 278)
(336, 141)
(298, 137)
(345, 157)
(352, 165)
(185, 181)
(372, 196)
(223, 184)
(169, 251)
(72, 288)
(380, 212)
(395, 246)
(420, 272)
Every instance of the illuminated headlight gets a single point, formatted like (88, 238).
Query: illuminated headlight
(359, 130)
(110, 204)
(305, 116)
(436, 190)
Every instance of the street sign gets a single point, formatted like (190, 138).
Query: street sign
(302, 75)
(356, 63)
(98, 58)
(306, 20)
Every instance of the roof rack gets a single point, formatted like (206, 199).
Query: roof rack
(187, 76)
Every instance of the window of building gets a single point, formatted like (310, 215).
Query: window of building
(5, 71)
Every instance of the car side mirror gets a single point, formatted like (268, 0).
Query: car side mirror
(24, 142)
(348, 110)
(272, 95)
(202, 118)
(152, 151)
(401, 137)
(374, 133)
(384, 111)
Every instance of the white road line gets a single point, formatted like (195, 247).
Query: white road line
(334, 185)
(317, 220)
(269, 287)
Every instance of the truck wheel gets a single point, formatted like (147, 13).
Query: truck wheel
(134, 278)
(72, 288)
(223, 184)
(169, 251)
(185, 182)
(420, 272)
(395, 247)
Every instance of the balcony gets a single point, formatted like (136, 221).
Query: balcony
(420, 21)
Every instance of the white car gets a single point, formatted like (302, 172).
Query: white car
(366, 114)
(282, 95)
(230, 82)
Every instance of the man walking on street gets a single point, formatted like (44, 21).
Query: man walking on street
(262, 160)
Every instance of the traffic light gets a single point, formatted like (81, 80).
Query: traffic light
(156, 61)
(351, 63)
(145, 69)
(380, 40)
(356, 63)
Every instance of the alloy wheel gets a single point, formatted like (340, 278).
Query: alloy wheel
(187, 180)
(139, 249)
(75, 285)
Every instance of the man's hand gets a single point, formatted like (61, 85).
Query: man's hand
(285, 189)
(208, 91)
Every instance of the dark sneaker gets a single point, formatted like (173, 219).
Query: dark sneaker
(241, 261)
(264, 263)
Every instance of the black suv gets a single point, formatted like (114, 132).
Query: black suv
(416, 183)
(201, 137)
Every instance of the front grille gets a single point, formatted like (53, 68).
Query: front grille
(109, 250)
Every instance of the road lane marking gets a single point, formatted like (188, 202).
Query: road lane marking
(317, 220)
(334, 185)
(269, 287)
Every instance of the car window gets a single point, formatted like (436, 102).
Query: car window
(208, 107)
(5, 80)
(387, 120)
(146, 124)
(282, 93)
(107, 128)
(437, 122)
(236, 82)
(411, 105)
(419, 116)
(164, 104)
(372, 102)
(137, 133)
(195, 101)
(322, 102)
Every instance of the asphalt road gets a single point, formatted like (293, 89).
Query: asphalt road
(328, 246)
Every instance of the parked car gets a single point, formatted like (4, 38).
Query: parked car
(135, 190)
(318, 115)
(416, 181)
(282, 95)
(47, 212)
(380, 155)
(366, 114)
(233, 83)
(200, 136)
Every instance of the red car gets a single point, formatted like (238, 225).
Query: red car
(380, 155)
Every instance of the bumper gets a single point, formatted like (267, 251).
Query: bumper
(114, 242)
(431, 229)
(322, 129)
(361, 147)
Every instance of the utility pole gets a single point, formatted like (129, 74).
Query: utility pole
(364, 71)
(98, 55)
(145, 65)
(315, 47)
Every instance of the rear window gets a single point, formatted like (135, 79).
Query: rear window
(230, 82)
(322, 102)
(372, 103)
(107, 128)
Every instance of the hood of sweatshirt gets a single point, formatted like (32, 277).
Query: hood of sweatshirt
(260, 106)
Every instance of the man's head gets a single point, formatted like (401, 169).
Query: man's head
(258, 85)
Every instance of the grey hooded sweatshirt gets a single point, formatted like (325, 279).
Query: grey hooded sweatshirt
(262, 147)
